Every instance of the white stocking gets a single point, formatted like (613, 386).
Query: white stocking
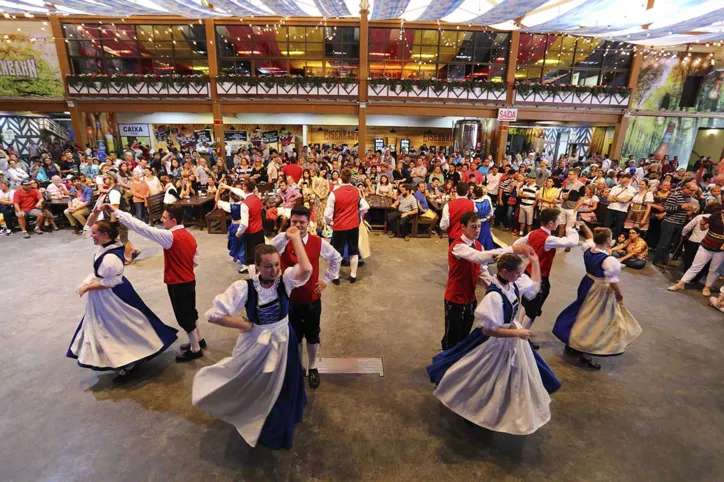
(353, 262)
(194, 340)
(312, 350)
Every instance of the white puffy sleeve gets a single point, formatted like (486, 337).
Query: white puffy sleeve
(611, 269)
(111, 269)
(228, 302)
(290, 278)
(527, 287)
(489, 313)
(587, 244)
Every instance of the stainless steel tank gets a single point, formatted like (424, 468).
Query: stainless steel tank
(467, 135)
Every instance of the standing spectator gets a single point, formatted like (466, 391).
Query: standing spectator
(140, 167)
(140, 189)
(527, 194)
(202, 174)
(657, 212)
(154, 185)
(619, 200)
(28, 204)
(492, 182)
(640, 209)
(697, 228)
(678, 206)
(548, 196)
(542, 173)
(399, 219)
(293, 169)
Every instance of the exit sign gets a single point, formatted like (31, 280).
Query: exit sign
(508, 115)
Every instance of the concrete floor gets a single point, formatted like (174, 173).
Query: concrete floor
(654, 413)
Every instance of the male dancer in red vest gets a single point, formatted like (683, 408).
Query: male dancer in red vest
(344, 209)
(251, 222)
(305, 309)
(466, 264)
(180, 257)
(545, 246)
(453, 211)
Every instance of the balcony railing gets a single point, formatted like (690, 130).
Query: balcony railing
(147, 85)
(573, 95)
(287, 87)
(431, 90)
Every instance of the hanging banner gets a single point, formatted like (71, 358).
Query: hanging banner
(238, 136)
(134, 130)
(28, 61)
(269, 137)
(203, 136)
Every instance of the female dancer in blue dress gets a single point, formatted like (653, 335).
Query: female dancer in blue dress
(597, 323)
(484, 208)
(235, 244)
(493, 378)
(260, 388)
(118, 330)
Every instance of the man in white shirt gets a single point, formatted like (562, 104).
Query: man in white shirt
(606, 165)
(202, 173)
(272, 170)
(57, 190)
(492, 184)
(16, 174)
(619, 200)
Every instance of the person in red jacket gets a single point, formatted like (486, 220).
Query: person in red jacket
(344, 211)
(180, 257)
(545, 246)
(466, 264)
(453, 211)
(293, 169)
(251, 223)
(305, 309)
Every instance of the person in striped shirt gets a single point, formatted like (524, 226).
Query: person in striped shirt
(527, 194)
(679, 206)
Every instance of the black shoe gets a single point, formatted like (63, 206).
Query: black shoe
(189, 355)
(135, 254)
(588, 363)
(314, 380)
(352, 279)
(569, 350)
(336, 281)
(187, 346)
(243, 269)
(534, 346)
(304, 372)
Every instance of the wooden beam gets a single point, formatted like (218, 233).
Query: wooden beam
(288, 107)
(633, 77)
(501, 139)
(587, 116)
(512, 66)
(60, 49)
(34, 105)
(619, 134)
(142, 105)
(211, 54)
(364, 59)
(431, 110)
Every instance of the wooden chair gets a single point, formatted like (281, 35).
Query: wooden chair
(264, 188)
(155, 207)
(417, 222)
(217, 222)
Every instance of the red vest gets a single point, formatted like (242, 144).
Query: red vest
(255, 223)
(346, 208)
(537, 241)
(462, 276)
(456, 209)
(178, 260)
(305, 293)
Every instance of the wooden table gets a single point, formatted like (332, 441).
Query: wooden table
(200, 202)
(380, 206)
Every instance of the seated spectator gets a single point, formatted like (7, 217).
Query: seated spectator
(78, 208)
(718, 303)
(171, 194)
(16, 174)
(6, 206)
(57, 190)
(631, 252)
(424, 209)
(28, 204)
(384, 188)
(399, 219)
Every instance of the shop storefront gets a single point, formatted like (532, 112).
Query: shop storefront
(557, 140)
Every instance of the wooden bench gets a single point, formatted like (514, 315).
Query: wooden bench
(418, 221)
(155, 207)
(217, 222)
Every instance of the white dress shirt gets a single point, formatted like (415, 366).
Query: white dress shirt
(552, 242)
(161, 236)
(328, 252)
(329, 210)
(467, 252)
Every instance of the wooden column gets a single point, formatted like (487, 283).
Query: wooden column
(364, 48)
(213, 93)
(512, 65)
(619, 134)
(633, 77)
(501, 139)
(76, 117)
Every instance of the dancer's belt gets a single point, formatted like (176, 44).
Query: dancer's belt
(595, 278)
(236, 221)
(277, 338)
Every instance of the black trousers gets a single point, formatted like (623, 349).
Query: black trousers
(8, 213)
(304, 318)
(534, 307)
(458, 322)
(397, 224)
(670, 234)
(183, 301)
(348, 237)
(251, 241)
(614, 221)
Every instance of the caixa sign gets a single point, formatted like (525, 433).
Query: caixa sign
(134, 130)
(508, 115)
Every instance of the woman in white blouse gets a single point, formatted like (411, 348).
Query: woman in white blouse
(639, 212)
(384, 188)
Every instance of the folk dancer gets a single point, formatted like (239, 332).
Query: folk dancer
(305, 310)
(260, 388)
(453, 211)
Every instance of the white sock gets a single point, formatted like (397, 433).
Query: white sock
(312, 350)
(353, 262)
(301, 354)
(194, 340)
(198, 333)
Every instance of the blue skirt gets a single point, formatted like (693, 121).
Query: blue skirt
(485, 238)
(288, 410)
(236, 245)
(445, 359)
(128, 295)
(567, 318)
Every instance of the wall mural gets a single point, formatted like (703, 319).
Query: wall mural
(672, 136)
(28, 61)
(661, 84)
